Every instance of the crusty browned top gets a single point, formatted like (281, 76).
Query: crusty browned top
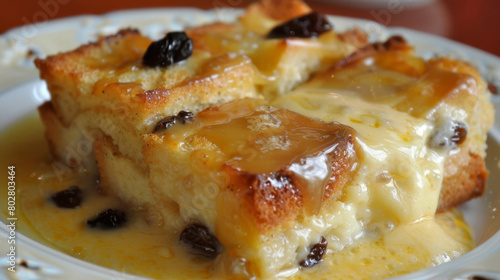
(109, 74)
(280, 10)
(279, 163)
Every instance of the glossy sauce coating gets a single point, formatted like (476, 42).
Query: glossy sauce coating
(260, 144)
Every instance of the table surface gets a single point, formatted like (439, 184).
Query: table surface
(473, 22)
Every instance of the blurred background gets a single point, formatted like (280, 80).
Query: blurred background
(472, 22)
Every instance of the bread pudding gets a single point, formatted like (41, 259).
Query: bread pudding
(273, 145)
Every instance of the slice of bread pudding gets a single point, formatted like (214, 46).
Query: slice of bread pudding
(249, 172)
(105, 86)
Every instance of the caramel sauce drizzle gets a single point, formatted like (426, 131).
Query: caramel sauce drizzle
(277, 159)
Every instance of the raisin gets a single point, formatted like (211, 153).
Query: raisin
(182, 117)
(394, 41)
(307, 26)
(479, 277)
(24, 263)
(68, 198)
(316, 253)
(174, 47)
(459, 133)
(108, 219)
(164, 124)
(201, 241)
(492, 88)
(449, 135)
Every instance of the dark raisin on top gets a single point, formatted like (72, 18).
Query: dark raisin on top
(109, 219)
(68, 198)
(174, 47)
(307, 26)
(449, 135)
(316, 253)
(164, 124)
(182, 117)
(200, 241)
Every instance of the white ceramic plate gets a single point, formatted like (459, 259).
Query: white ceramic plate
(21, 92)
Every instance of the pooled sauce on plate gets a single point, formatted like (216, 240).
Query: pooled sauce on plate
(141, 247)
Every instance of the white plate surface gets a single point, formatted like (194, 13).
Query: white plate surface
(21, 92)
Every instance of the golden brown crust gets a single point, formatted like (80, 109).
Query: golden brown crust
(109, 73)
(283, 185)
(354, 37)
(202, 41)
(465, 179)
(280, 10)
(104, 85)
(394, 44)
(71, 75)
(271, 200)
(465, 173)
